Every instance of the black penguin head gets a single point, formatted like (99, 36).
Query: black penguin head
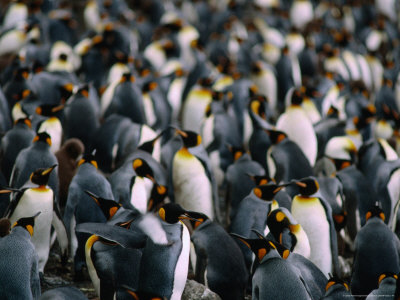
(172, 213)
(260, 246)
(41, 176)
(307, 186)
(375, 211)
(66, 91)
(26, 121)
(42, 137)
(197, 219)
(276, 136)
(5, 227)
(127, 77)
(340, 220)
(297, 97)
(84, 91)
(142, 168)
(48, 110)
(189, 138)
(108, 207)
(157, 196)
(333, 280)
(148, 146)
(277, 221)
(257, 106)
(27, 223)
(88, 158)
(266, 192)
(385, 275)
(237, 152)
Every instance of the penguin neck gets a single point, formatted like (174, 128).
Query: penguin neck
(304, 198)
(184, 151)
(41, 188)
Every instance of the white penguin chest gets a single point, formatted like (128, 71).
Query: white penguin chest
(194, 109)
(174, 95)
(311, 215)
(53, 127)
(140, 193)
(149, 109)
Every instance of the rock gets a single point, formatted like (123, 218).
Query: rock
(196, 291)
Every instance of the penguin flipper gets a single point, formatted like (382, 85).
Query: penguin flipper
(201, 258)
(13, 204)
(124, 237)
(61, 232)
(35, 279)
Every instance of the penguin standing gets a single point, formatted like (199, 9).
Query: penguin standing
(300, 131)
(222, 270)
(164, 269)
(80, 113)
(16, 139)
(51, 125)
(192, 181)
(40, 198)
(19, 271)
(315, 216)
(377, 250)
(80, 207)
(252, 213)
(274, 278)
(38, 155)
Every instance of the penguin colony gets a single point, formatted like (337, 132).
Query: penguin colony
(252, 146)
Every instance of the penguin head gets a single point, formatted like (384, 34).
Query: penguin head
(27, 223)
(66, 91)
(138, 295)
(375, 211)
(260, 246)
(386, 275)
(189, 138)
(5, 227)
(257, 106)
(88, 158)
(282, 250)
(267, 192)
(108, 207)
(142, 168)
(48, 110)
(237, 152)
(276, 136)
(333, 280)
(41, 176)
(197, 219)
(278, 220)
(42, 137)
(148, 146)
(26, 121)
(306, 186)
(73, 148)
(172, 213)
(342, 151)
(83, 91)
(297, 97)
(157, 196)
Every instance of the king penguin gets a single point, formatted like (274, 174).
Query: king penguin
(192, 180)
(377, 250)
(221, 268)
(315, 216)
(274, 278)
(81, 208)
(387, 286)
(37, 155)
(16, 139)
(35, 199)
(19, 273)
(296, 124)
(164, 269)
(51, 124)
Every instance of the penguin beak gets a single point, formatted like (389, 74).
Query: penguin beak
(186, 216)
(93, 196)
(47, 171)
(57, 108)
